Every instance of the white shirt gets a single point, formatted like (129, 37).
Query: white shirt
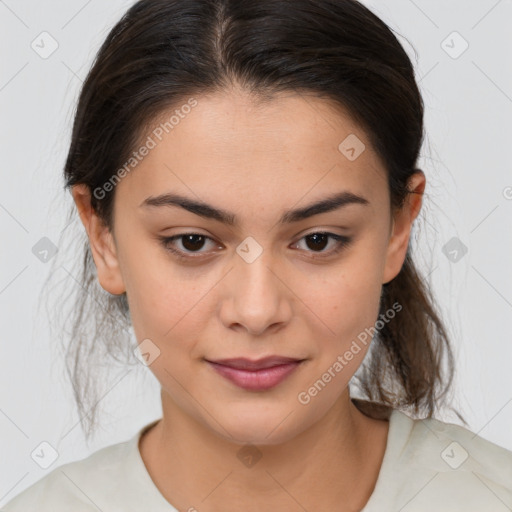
(428, 465)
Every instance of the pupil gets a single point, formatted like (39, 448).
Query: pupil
(190, 242)
(316, 237)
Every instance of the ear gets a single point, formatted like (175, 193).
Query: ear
(101, 242)
(402, 225)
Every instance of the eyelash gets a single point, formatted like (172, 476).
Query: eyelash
(341, 243)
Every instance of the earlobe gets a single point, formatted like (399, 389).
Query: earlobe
(402, 226)
(101, 242)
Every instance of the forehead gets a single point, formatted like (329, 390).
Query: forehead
(230, 147)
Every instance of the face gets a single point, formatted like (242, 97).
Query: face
(256, 280)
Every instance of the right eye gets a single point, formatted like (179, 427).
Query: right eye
(191, 243)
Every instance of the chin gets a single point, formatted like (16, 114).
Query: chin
(270, 427)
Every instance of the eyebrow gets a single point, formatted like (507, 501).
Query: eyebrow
(328, 204)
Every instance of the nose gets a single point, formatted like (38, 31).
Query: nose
(255, 297)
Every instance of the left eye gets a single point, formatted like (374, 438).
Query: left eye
(319, 240)
(193, 242)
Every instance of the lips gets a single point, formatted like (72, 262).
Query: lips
(256, 375)
(242, 363)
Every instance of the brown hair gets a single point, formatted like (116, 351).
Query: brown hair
(161, 53)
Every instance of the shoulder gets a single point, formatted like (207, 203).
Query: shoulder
(447, 446)
(82, 486)
(451, 464)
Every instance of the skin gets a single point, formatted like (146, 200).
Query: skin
(256, 161)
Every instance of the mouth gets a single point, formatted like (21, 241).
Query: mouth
(256, 375)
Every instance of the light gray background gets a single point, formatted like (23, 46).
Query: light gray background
(466, 158)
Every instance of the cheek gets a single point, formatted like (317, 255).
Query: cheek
(162, 305)
(351, 296)
(167, 302)
(348, 303)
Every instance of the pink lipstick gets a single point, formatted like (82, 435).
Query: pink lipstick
(259, 375)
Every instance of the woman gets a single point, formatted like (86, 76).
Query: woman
(246, 176)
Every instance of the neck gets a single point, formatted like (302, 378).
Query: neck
(334, 464)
